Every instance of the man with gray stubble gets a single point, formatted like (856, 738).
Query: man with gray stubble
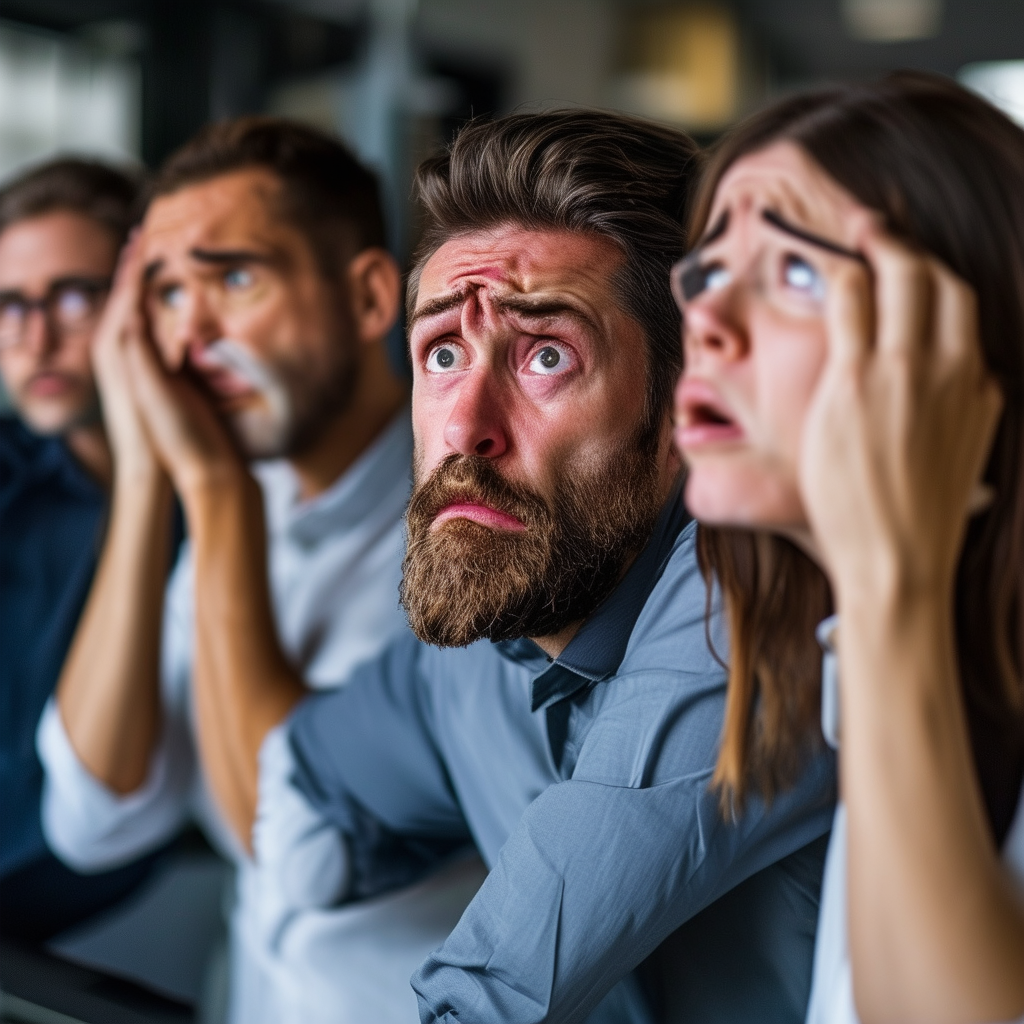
(242, 365)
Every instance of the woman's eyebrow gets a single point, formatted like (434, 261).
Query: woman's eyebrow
(717, 230)
(779, 222)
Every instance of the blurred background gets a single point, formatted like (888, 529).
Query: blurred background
(132, 79)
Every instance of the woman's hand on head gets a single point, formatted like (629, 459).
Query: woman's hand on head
(899, 430)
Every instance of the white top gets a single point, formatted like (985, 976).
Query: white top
(832, 984)
(334, 565)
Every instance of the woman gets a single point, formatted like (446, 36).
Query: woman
(852, 413)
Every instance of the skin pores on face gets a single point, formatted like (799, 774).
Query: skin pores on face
(222, 263)
(755, 346)
(535, 482)
(49, 376)
(521, 355)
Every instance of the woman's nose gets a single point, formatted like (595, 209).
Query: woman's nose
(712, 328)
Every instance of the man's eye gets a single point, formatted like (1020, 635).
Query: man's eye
(73, 304)
(172, 296)
(444, 358)
(238, 277)
(549, 360)
(802, 277)
(13, 309)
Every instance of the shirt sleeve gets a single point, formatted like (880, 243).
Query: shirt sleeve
(366, 762)
(87, 824)
(592, 880)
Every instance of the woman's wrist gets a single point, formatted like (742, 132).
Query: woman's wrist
(895, 646)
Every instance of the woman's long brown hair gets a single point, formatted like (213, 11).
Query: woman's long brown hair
(946, 171)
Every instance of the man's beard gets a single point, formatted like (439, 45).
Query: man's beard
(300, 397)
(464, 581)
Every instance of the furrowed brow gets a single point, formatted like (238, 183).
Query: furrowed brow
(717, 230)
(780, 223)
(219, 257)
(81, 281)
(435, 307)
(544, 309)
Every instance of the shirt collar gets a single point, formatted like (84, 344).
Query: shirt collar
(597, 649)
(352, 499)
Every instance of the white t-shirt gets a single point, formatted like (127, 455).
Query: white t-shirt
(334, 565)
(832, 985)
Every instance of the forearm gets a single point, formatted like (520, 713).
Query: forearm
(936, 931)
(109, 694)
(244, 683)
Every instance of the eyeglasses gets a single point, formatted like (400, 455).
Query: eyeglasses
(70, 306)
(789, 268)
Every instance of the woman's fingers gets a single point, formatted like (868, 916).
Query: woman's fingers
(904, 296)
(957, 337)
(850, 315)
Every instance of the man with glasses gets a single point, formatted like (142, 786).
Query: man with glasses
(61, 228)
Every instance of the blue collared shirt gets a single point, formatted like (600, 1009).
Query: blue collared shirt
(584, 783)
(51, 522)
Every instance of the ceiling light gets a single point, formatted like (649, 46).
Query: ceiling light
(892, 21)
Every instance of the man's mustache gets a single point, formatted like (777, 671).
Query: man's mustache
(474, 480)
(234, 357)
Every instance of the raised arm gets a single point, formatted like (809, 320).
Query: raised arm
(895, 445)
(109, 694)
(243, 685)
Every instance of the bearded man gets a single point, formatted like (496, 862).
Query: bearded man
(241, 361)
(558, 701)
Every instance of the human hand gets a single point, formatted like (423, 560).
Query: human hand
(900, 427)
(190, 440)
(123, 319)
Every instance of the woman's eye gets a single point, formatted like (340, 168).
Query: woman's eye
(715, 276)
(172, 296)
(802, 277)
(548, 360)
(238, 277)
(698, 278)
(444, 358)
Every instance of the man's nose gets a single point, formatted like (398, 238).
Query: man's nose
(714, 329)
(475, 424)
(40, 336)
(196, 326)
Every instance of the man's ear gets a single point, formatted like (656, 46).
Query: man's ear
(374, 283)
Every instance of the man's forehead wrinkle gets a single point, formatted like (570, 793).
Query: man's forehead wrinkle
(477, 302)
(437, 306)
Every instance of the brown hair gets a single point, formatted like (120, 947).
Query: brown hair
(577, 170)
(946, 171)
(105, 194)
(326, 192)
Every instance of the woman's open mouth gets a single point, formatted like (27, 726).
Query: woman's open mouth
(702, 417)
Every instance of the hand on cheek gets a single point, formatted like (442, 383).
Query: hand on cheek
(190, 441)
(898, 432)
